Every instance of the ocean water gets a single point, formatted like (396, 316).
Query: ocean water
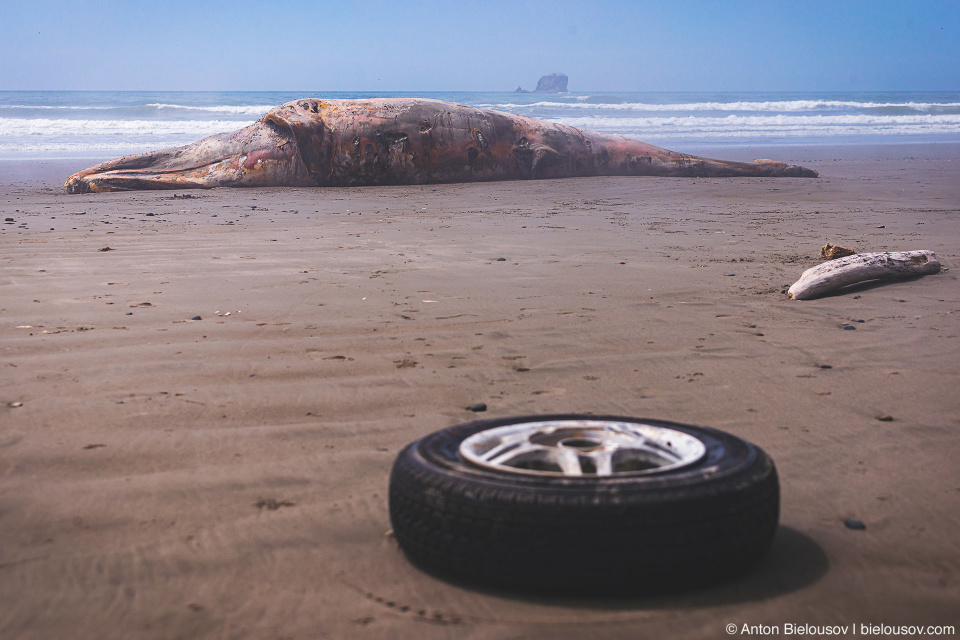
(69, 124)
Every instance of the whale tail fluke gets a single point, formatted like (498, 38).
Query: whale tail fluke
(695, 166)
(775, 168)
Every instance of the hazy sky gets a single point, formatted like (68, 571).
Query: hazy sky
(423, 45)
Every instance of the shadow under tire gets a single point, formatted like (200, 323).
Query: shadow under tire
(645, 532)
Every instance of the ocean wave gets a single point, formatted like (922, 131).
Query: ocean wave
(770, 126)
(48, 127)
(142, 109)
(253, 110)
(64, 135)
(735, 121)
(835, 133)
(74, 149)
(61, 107)
(780, 106)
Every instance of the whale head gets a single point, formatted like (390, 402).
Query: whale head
(264, 154)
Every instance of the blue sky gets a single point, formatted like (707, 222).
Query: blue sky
(422, 45)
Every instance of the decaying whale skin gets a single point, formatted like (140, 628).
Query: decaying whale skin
(400, 141)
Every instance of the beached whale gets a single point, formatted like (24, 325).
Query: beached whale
(400, 141)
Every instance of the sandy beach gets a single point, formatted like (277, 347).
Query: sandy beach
(163, 476)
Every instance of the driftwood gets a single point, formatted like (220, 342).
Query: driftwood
(834, 274)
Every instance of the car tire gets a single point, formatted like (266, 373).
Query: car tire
(471, 513)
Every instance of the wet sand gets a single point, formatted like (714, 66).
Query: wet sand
(166, 477)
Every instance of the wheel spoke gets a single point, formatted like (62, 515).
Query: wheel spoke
(569, 461)
(506, 446)
(603, 459)
(506, 457)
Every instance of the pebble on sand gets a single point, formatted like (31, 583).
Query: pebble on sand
(477, 406)
(857, 525)
(196, 318)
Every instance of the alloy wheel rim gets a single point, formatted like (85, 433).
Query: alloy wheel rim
(582, 448)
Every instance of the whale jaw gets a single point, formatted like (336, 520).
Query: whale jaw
(260, 155)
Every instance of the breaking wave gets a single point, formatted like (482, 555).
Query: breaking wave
(46, 127)
(780, 106)
(78, 122)
(247, 110)
(733, 126)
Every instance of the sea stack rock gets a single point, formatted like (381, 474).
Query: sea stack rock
(552, 83)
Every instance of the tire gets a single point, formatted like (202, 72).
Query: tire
(639, 531)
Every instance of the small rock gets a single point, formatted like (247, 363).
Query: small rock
(833, 251)
(854, 524)
(272, 504)
(848, 327)
(105, 249)
(196, 318)
(885, 418)
(729, 274)
(151, 214)
(129, 313)
(826, 366)
(477, 407)
(9, 220)
(501, 259)
(20, 404)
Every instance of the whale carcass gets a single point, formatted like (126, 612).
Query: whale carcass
(322, 143)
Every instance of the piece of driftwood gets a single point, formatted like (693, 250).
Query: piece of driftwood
(834, 251)
(834, 274)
